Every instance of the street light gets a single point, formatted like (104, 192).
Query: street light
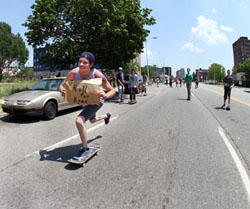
(147, 54)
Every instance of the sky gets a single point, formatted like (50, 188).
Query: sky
(195, 33)
(190, 33)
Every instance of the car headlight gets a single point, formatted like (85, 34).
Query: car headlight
(22, 102)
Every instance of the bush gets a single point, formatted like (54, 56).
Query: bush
(7, 89)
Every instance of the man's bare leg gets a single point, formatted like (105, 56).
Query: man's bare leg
(102, 117)
(80, 124)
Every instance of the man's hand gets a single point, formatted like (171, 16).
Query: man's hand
(103, 95)
(62, 90)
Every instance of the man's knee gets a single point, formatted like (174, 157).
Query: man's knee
(93, 120)
(80, 121)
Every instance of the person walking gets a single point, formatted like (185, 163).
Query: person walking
(196, 83)
(133, 85)
(228, 85)
(157, 81)
(144, 83)
(180, 80)
(120, 83)
(189, 79)
(85, 71)
(170, 81)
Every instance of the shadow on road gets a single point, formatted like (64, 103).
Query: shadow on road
(181, 99)
(219, 108)
(247, 91)
(62, 154)
(23, 119)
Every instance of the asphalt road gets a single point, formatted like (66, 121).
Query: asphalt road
(163, 152)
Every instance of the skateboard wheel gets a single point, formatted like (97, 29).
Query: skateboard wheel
(97, 153)
(83, 165)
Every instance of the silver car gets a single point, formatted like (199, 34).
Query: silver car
(44, 98)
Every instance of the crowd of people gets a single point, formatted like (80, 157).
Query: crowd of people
(86, 71)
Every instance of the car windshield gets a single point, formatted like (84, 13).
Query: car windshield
(47, 85)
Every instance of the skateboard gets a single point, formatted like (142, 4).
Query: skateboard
(93, 150)
(132, 102)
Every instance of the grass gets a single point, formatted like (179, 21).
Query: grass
(7, 89)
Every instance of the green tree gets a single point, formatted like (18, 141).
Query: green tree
(234, 70)
(130, 66)
(12, 48)
(25, 72)
(112, 29)
(150, 69)
(245, 67)
(216, 70)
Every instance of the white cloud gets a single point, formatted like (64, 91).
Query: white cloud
(191, 47)
(207, 32)
(243, 4)
(225, 28)
(214, 10)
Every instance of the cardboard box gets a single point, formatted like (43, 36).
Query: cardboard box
(84, 92)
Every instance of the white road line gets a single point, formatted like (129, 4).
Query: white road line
(238, 163)
(61, 143)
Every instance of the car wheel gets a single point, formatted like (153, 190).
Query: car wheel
(50, 110)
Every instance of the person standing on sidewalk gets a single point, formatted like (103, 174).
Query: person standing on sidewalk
(85, 71)
(120, 83)
(228, 85)
(133, 85)
(189, 79)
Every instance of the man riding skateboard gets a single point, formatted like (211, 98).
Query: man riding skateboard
(86, 71)
(228, 85)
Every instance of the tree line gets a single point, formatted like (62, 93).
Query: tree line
(114, 30)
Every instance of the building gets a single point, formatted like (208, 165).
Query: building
(41, 70)
(201, 74)
(137, 60)
(167, 71)
(241, 50)
(180, 73)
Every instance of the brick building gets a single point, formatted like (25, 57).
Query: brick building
(241, 50)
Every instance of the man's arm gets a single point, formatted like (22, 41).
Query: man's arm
(106, 85)
(70, 77)
(232, 84)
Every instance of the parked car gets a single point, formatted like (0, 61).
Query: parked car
(44, 98)
(127, 90)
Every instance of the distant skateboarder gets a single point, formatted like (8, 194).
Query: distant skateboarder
(228, 85)
(189, 79)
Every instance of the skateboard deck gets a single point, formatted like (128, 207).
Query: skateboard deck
(132, 102)
(93, 150)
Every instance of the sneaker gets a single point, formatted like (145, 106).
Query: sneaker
(81, 153)
(228, 107)
(108, 118)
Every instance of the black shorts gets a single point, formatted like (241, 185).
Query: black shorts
(227, 93)
(89, 112)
